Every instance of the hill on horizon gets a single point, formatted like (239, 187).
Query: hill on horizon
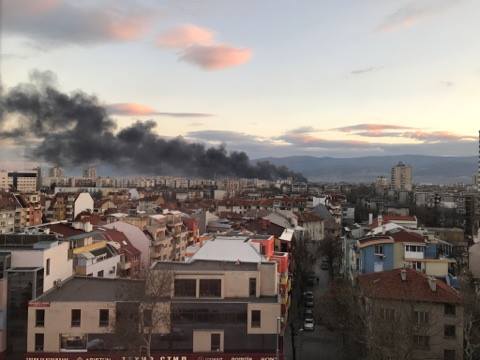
(426, 169)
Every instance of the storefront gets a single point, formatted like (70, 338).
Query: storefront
(155, 356)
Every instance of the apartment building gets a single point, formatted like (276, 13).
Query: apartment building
(411, 313)
(23, 181)
(398, 247)
(3, 180)
(33, 264)
(313, 226)
(213, 308)
(401, 177)
(66, 206)
(98, 259)
(8, 207)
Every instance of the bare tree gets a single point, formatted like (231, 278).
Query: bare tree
(375, 329)
(331, 249)
(471, 331)
(138, 321)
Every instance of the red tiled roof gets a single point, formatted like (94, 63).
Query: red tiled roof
(389, 285)
(393, 218)
(120, 238)
(407, 236)
(65, 230)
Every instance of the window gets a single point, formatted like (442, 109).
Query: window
(256, 319)
(448, 354)
(449, 331)
(47, 268)
(449, 309)
(76, 317)
(378, 249)
(100, 274)
(39, 339)
(215, 342)
(252, 287)
(421, 342)
(103, 317)
(73, 342)
(147, 317)
(210, 288)
(185, 287)
(39, 318)
(421, 317)
(387, 314)
(417, 265)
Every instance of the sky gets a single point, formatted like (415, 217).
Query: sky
(341, 78)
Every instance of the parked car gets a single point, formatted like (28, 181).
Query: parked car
(308, 313)
(308, 295)
(308, 325)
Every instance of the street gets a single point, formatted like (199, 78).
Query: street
(320, 344)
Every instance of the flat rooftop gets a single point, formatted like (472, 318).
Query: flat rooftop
(205, 265)
(95, 289)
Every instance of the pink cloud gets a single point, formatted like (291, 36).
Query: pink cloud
(216, 57)
(53, 23)
(128, 28)
(135, 109)
(184, 36)
(371, 127)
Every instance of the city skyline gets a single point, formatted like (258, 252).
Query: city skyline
(350, 79)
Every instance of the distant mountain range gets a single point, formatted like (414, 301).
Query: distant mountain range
(426, 169)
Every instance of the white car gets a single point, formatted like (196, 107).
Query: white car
(308, 325)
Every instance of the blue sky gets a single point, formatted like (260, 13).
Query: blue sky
(276, 78)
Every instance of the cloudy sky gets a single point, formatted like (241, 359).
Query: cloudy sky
(272, 77)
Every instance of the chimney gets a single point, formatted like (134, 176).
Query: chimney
(370, 219)
(432, 283)
(380, 220)
(403, 274)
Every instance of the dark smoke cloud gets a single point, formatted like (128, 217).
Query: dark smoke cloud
(74, 129)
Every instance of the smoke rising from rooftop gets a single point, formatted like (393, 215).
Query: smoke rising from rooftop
(75, 129)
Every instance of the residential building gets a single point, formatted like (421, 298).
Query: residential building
(313, 226)
(56, 172)
(3, 180)
(66, 206)
(136, 237)
(398, 247)
(90, 172)
(411, 313)
(36, 264)
(215, 307)
(8, 207)
(401, 177)
(23, 181)
(98, 259)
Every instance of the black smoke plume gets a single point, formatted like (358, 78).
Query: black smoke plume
(75, 129)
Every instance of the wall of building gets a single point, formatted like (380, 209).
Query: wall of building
(202, 340)
(108, 266)
(58, 321)
(268, 279)
(269, 313)
(83, 202)
(60, 266)
(3, 314)
(368, 258)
